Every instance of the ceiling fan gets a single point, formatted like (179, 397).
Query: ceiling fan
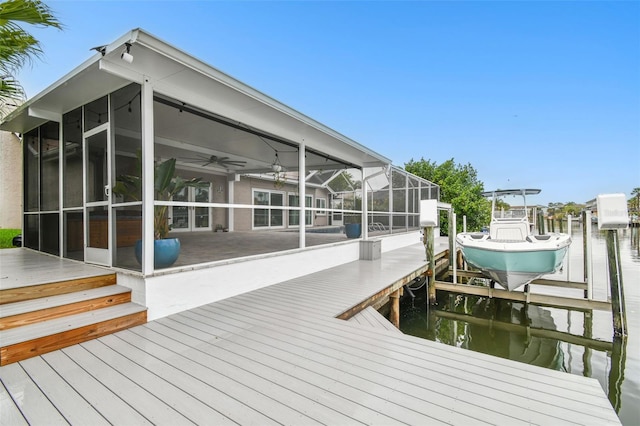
(219, 161)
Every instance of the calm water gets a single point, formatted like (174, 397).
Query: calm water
(572, 341)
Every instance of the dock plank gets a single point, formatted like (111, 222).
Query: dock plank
(108, 403)
(9, 412)
(265, 397)
(234, 400)
(73, 407)
(327, 407)
(369, 317)
(147, 404)
(111, 350)
(33, 403)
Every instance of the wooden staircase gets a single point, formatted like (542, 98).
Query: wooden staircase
(42, 318)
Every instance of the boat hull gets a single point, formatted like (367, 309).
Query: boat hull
(513, 264)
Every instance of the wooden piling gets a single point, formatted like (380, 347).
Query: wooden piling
(394, 315)
(588, 334)
(615, 281)
(428, 238)
(541, 223)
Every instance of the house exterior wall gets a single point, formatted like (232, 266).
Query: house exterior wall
(243, 191)
(10, 181)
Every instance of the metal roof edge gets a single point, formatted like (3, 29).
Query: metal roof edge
(152, 42)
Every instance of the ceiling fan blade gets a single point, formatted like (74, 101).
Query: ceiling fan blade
(237, 163)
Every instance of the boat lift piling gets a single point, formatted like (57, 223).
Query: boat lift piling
(613, 215)
(428, 222)
(615, 280)
(541, 223)
(587, 254)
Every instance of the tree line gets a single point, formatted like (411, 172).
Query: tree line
(460, 186)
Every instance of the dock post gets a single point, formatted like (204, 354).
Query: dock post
(428, 237)
(588, 265)
(540, 222)
(568, 257)
(615, 281)
(394, 315)
(454, 249)
(560, 225)
(587, 333)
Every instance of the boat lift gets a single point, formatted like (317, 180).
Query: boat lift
(457, 269)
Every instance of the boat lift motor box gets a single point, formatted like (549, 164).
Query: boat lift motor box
(428, 213)
(612, 211)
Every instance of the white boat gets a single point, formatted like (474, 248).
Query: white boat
(509, 253)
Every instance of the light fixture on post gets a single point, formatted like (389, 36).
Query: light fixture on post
(126, 55)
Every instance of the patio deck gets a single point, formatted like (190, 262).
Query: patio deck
(278, 355)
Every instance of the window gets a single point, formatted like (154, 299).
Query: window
(294, 215)
(321, 205)
(268, 217)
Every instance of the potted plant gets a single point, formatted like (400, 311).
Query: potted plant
(166, 185)
(353, 225)
(353, 221)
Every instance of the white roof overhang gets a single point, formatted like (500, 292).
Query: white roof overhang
(176, 74)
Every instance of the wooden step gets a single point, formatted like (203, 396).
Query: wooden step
(24, 342)
(20, 294)
(36, 310)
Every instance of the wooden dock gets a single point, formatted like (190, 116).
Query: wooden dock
(278, 355)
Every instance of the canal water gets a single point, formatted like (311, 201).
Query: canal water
(576, 342)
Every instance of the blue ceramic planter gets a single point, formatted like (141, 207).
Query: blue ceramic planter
(165, 252)
(353, 230)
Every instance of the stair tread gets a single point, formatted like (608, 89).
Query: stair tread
(47, 328)
(18, 308)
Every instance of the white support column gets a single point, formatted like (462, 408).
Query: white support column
(365, 211)
(390, 199)
(406, 202)
(61, 151)
(302, 191)
(231, 196)
(147, 177)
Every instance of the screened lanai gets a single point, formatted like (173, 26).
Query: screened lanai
(266, 179)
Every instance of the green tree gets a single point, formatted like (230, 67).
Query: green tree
(572, 209)
(459, 186)
(17, 46)
(634, 203)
